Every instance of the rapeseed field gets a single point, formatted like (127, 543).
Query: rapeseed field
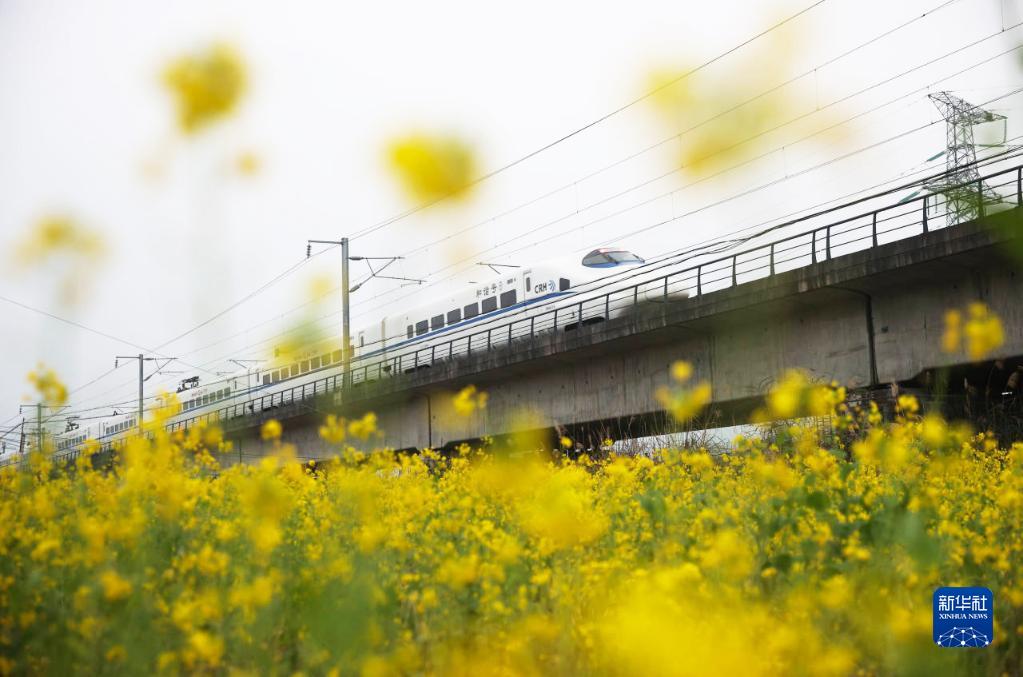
(813, 554)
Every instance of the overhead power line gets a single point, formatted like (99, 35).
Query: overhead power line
(589, 125)
(602, 118)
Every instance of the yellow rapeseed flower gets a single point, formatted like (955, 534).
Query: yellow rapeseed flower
(51, 390)
(432, 168)
(115, 587)
(363, 427)
(978, 336)
(271, 430)
(207, 85)
(333, 429)
(468, 400)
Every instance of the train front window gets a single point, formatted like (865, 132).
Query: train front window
(605, 258)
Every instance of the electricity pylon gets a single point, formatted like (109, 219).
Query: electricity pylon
(965, 193)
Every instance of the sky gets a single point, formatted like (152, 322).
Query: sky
(88, 130)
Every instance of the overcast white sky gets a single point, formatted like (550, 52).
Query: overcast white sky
(82, 114)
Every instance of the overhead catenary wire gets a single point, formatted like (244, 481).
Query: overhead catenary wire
(840, 100)
(286, 272)
(647, 95)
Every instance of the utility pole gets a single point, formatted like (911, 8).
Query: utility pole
(38, 406)
(346, 292)
(142, 377)
(346, 318)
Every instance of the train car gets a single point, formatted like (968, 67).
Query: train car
(409, 336)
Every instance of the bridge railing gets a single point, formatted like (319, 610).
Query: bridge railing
(868, 228)
(861, 231)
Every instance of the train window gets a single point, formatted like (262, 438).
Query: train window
(276, 376)
(408, 331)
(509, 298)
(471, 311)
(528, 288)
(437, 321)
(205, 399)
(314, 363)
(227, 391)
(489, 304)
(304, 367)
(563, 284)
(454, 316)
(325, 360)
(422, 327)
(336, 355)
(294, 369)
(266, 379)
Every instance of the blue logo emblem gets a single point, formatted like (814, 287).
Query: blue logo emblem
(963, 617)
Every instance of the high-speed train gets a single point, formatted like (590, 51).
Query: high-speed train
(516, 294)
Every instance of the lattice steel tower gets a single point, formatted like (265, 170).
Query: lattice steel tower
(965, 194)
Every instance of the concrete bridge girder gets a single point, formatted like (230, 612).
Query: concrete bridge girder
(868, 318)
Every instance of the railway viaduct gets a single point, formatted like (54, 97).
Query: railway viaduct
(864, 319)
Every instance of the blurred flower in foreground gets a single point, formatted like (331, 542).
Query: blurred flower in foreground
(51, 391)
(981, 333)
(248, 163)
(207, 85)
(271, 430)
(717, 114)
(684, 404)
(363, 427)
(431, 168)
(60, 238)
(795, 396)
(469, 400)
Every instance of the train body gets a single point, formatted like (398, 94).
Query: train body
(510, 294)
